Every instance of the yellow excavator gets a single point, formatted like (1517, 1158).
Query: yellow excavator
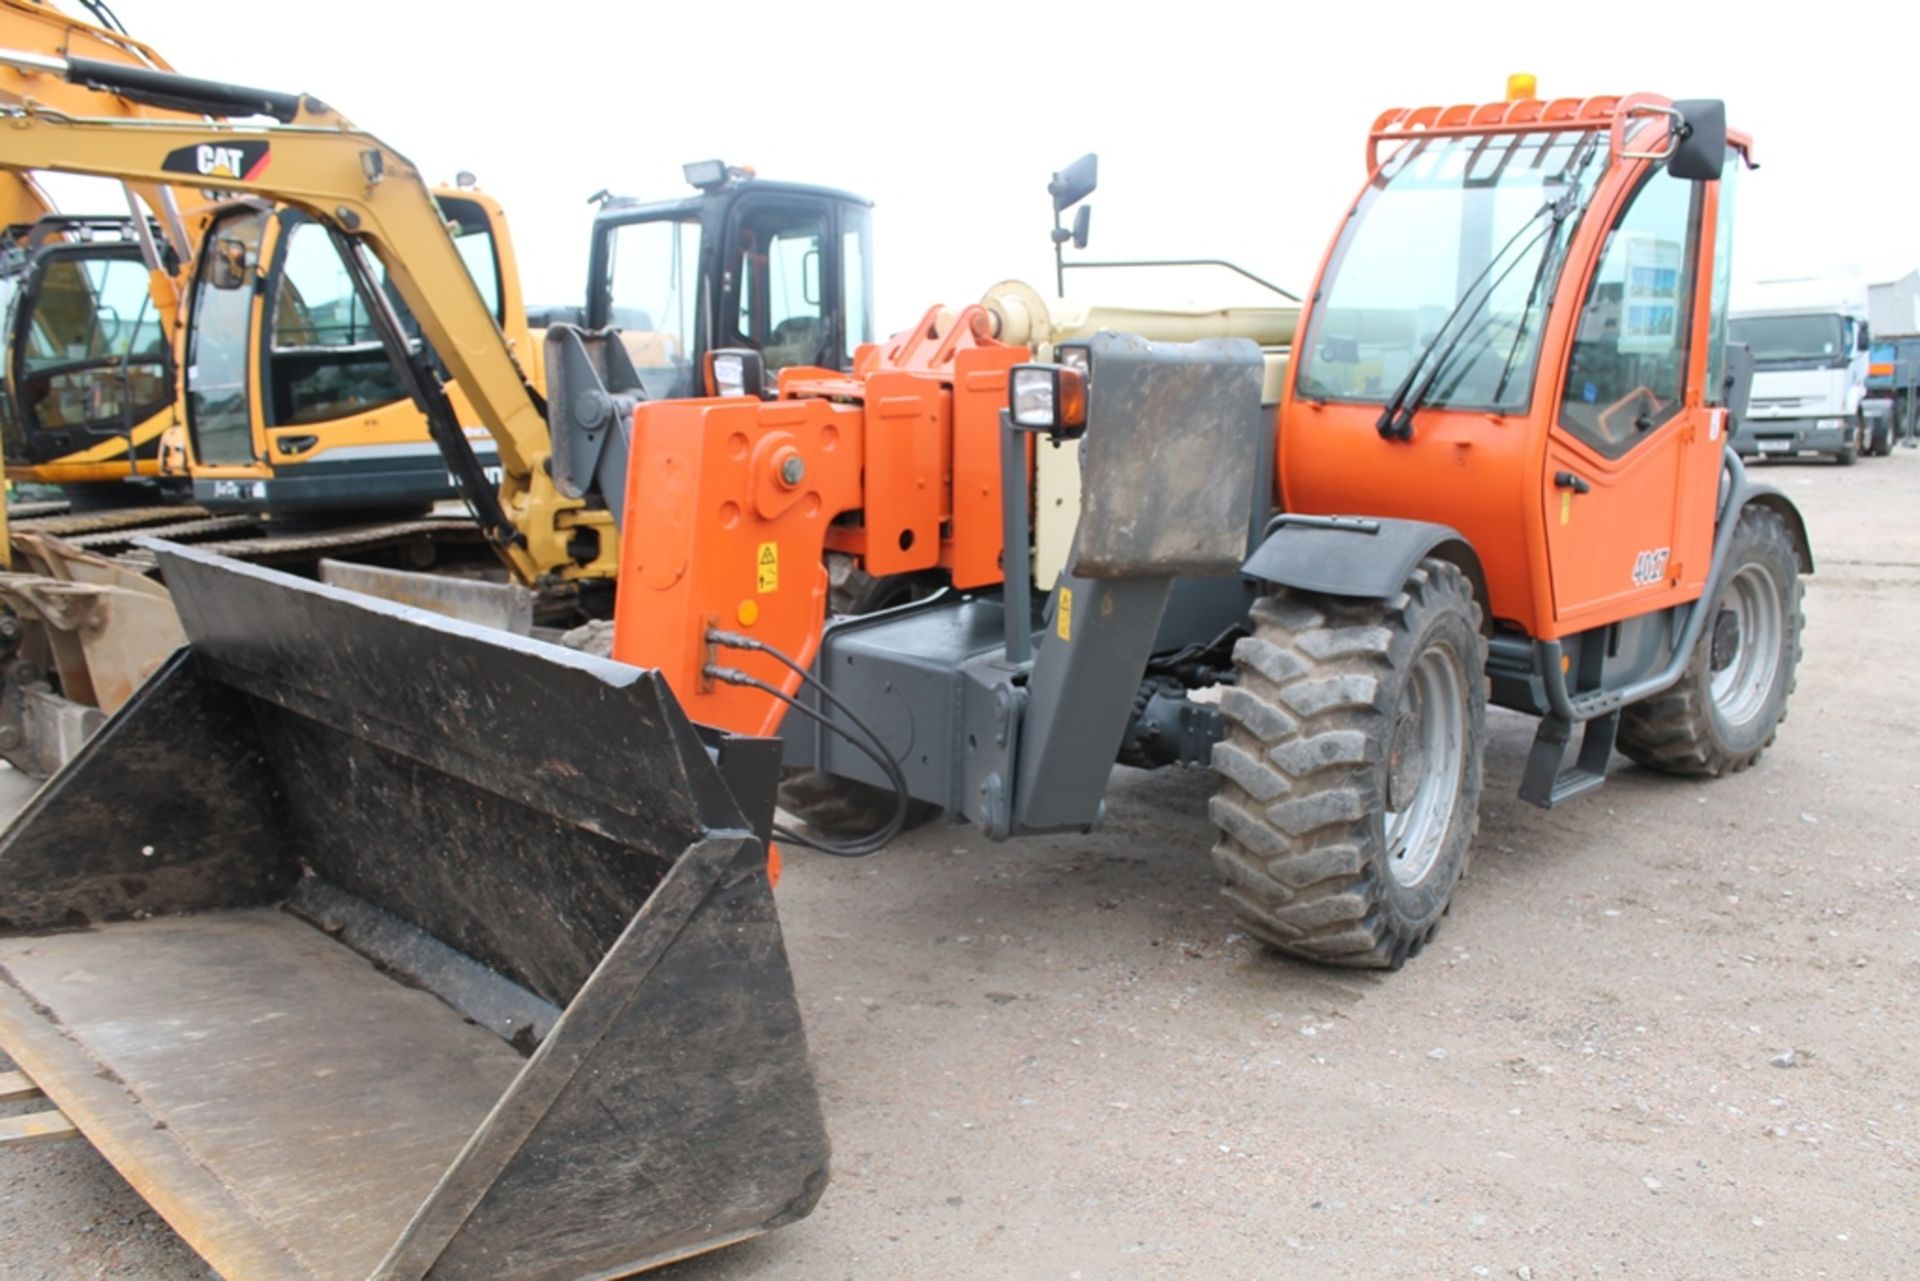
(88, 386)
(294, 416)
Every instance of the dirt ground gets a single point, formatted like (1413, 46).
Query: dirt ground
(1058, 1059)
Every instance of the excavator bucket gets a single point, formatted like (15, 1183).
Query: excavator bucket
(367, 943)
(78, 635)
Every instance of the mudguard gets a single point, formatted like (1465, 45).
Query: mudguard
(1366, 557)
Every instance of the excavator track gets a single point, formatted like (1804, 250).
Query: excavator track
(115, 533)
(71, 525)
(306, 545)
(188, 531)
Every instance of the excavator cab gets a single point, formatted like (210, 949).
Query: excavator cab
(295, 405)
(89, 372)
(780, 268)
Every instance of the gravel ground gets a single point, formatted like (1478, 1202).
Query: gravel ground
(1058, 1059)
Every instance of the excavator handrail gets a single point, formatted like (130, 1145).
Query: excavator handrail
(371, 197)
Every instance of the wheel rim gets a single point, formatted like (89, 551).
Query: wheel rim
(1743, 671)
(1425, 761)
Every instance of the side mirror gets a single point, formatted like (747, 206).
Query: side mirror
(227, 262)
(1699, 140)
(736, 371)
(1863, 339)
(1075, 183)
(1082, 220)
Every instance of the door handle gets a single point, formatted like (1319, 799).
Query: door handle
(1567, 480)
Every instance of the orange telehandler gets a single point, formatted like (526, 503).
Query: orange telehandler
(1496, 471)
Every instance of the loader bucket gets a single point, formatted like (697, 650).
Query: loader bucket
(369, 943)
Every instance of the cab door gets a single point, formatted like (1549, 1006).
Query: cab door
(1623, 538)
(780, 292)
(90, 355)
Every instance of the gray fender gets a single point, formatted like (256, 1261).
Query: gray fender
(1768, 496)
(1365, 557)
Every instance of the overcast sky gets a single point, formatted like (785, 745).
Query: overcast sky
(1227, 130)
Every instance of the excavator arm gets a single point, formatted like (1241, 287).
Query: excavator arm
(374, 201)
(40, 29)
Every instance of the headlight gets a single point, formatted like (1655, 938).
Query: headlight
(1831, 424)
(1050, 398)
(1033, 396)
(705, 173)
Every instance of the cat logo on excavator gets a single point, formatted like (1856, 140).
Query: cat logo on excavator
(229, 159)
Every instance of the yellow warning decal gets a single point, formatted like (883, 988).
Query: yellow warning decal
(1063, 620)
(1566, 507)
(766, 577)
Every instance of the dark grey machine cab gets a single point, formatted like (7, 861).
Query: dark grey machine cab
(781, 268)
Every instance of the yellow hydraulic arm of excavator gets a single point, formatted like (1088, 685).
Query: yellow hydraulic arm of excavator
(372, 199)
(38, 28)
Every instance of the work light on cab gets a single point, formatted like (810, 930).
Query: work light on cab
(1050, 398)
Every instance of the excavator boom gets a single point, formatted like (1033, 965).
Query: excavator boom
(373, 200)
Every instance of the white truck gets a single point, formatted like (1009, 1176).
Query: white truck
(1810, 346)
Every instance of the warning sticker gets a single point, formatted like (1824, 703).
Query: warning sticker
(1063, 621)
(766, 569)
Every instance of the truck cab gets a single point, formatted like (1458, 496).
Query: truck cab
(1810, 346)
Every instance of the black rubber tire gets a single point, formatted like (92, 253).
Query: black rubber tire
(1303, 769)
(839, 808)
(1882, 432)
(1681, 731)
(1851, 450)
(852, 590)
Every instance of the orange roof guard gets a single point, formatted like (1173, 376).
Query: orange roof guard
(1527, 115)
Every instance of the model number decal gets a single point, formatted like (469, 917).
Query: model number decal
(1650, 567)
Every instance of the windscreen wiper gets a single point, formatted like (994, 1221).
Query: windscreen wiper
(1396, 416)
(1562, 208)
(1396, 420)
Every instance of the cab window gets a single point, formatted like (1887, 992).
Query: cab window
(325, 357)
(1717, 336)
(94, 351)
(780, 276)
(219, 359)
(472, 234)
(653, 283)
(856, 289)
(1628, 369)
